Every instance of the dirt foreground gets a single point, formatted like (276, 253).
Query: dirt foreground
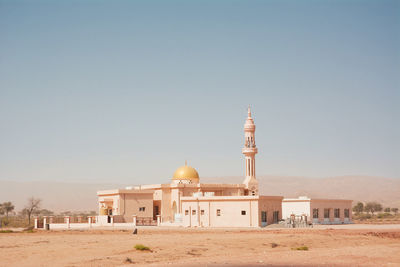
(204, 247)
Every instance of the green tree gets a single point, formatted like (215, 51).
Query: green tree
(395, 210)
(7, 207)
(386, 210)
(1, 209)
(373, 207)
(359, 207)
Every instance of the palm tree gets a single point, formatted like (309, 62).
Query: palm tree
(7, 207)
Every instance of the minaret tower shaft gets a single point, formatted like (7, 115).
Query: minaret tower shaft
(250, 150)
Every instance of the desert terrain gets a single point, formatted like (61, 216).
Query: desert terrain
(355, 245)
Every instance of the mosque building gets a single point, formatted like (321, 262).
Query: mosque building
(185, 201)
(188, 202)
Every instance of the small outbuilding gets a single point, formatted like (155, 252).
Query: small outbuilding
(318, 211)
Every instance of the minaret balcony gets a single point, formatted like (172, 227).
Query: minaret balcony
(249, 150)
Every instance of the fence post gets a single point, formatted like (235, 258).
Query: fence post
(90, 222)
(36, 222)
(134, 220)
(67, 219)
(44, 222)
(112, 220)
(158, 220)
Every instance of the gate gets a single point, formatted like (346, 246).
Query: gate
(146, 221)
(40, 223)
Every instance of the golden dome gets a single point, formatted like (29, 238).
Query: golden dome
(185, 173)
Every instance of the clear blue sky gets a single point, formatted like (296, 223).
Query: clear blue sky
(125, 91)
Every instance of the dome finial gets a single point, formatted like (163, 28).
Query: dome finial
(185, 162)
(249, 112)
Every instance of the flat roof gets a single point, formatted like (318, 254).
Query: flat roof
(313, 199)
(149, 187)
(227, 198)
(123, 191)
(219, 198)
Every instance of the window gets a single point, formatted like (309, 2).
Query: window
(315, 213)
(193, 212)
(186, 212)
(346, 213)
(142, 208)
(337, 213)
(243, 212)
(202, 212)
(253, 193)
(326, 213)
(218, 212)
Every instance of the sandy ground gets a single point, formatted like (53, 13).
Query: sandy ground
(355, 245)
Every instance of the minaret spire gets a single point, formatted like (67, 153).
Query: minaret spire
(250, 150)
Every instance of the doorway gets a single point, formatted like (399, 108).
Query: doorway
(264, 219)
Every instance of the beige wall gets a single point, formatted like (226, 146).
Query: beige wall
(306, 206)
(322, 204)
(230, 212)
(130, 204)
(269, 204)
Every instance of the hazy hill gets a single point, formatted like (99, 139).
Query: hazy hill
(357, 188)
(58, 196)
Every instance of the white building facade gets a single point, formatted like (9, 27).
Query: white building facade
(318, 211)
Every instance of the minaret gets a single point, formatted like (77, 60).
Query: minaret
(250, 150)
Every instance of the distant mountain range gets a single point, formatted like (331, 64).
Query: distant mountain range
(59, 196)
(358, 188)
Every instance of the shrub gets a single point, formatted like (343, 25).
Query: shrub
(6, 231)
(384, 215)
(5, 222)
(141, 247)
(29, 230)
(362, 216)
(128, 260)
(301, 248)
